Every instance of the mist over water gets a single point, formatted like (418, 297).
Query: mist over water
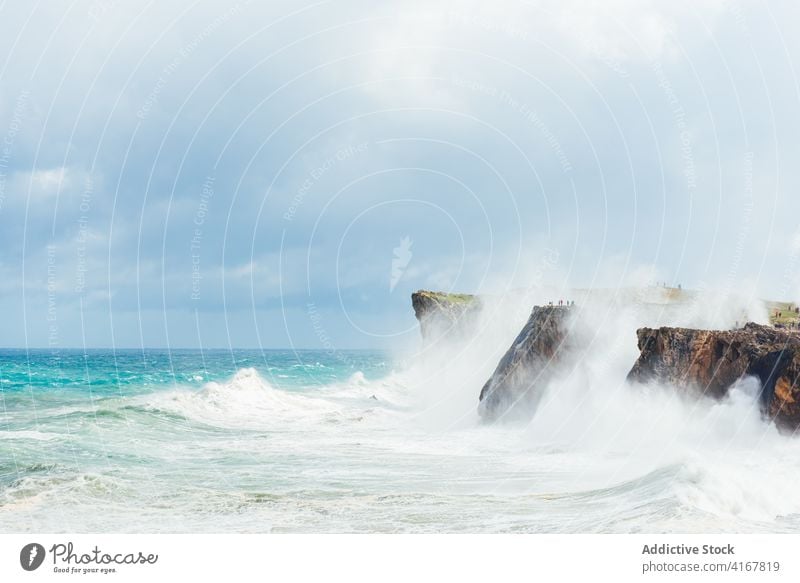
(312, 441)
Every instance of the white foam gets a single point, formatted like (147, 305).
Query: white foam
(34, 435)
(246, 400)
(732, 463)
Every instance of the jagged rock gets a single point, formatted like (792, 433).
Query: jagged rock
(442, 314)
(527, 367)
(711, 361)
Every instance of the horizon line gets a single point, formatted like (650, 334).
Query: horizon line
(78, 348)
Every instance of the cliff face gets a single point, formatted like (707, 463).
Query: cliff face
(445, 315)
(710, 362)
(528, 366)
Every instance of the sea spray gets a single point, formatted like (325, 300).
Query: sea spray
(303, 442)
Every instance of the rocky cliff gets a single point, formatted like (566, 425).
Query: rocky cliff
(710, 362)
(445, 315)
(527, 367)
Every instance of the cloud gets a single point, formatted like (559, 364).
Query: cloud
(629, 30)
(47, 182)
(629, 139)
(39, 185)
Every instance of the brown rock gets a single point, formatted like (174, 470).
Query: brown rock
(709, 362)
(521, 377)
(443, 314)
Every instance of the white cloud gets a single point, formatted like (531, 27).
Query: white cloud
(39, 184)
(50, 180)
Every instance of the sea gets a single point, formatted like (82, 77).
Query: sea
(309, 441)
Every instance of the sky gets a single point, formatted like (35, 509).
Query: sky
(284, 174)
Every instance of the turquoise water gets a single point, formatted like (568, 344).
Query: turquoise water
(312, 441)
(121, 371)
(141, 427)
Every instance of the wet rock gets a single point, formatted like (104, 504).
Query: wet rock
(709, 362)
(519, 381)
(445, 315)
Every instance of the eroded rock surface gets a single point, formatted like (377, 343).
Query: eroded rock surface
(454, 316)
(709, 362)
(527, 367)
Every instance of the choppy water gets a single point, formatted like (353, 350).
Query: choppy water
(251, 441)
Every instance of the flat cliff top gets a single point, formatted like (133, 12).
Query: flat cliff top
(751, 331)
(781, 314)
(444, 297)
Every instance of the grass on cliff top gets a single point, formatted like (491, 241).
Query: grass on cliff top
(447, 297)
(782, 313)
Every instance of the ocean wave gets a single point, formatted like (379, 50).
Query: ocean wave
(39, 484)
(361, 453)
(740, 487)
(32, 435)
(246, 401)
